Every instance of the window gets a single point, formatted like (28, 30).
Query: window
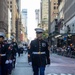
(57, 3)
(10, 6)
(54, 3)
(57, 7)
(10, 2)
(54, 7)
(11, 10)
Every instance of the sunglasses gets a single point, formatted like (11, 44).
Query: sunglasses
(38, 32)
(1, 37)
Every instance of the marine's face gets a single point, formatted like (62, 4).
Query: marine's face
(1, 39)
(39, 35)
(13, 40)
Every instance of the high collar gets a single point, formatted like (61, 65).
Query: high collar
(39, 39)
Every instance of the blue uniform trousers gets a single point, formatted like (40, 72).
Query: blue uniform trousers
(3, 70)
(9, 68)
(0, 70)
(38, 70)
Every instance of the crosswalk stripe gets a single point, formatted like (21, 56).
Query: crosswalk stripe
(52, 74)
(60, 74)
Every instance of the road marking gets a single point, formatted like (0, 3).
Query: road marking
(60, 74)
(68, 65)
(63, 74)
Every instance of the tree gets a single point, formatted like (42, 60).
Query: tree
(45, 34)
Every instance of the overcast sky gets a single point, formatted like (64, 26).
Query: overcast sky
(31, 5)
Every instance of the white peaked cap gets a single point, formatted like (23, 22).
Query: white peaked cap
(2, 34)
(39, 30)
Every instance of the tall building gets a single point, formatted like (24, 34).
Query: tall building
(3, 16)
(61, 15)
(53, 27)
(18, 21)
(19, 5)
(37, 16)
(12, 5)
(44, 14)
(64, 24)
(24, 21)
(69, 20)
(15, 8)
(53, 9)
(9, 24)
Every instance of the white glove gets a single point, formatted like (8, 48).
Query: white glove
(30, 63)
(7, 62)
(13, 59)
(10, 61)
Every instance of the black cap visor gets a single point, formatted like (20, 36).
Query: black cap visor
(1, 37)
(38, 32)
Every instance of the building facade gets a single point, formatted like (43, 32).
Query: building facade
(37, 16)
(24, 17)
(44, 14)
(3, 16)
(24, 23)
(65, 25)
(54, 9)
(12, 5)
(9, 24)
(69, 19)
(15, 8)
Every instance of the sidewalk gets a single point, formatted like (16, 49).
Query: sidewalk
(22, 66)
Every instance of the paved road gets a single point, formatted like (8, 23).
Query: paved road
(59, 66)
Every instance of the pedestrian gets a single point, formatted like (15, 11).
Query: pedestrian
(14, 50)
(3, 55)
(19, 50)
(39, 53)
(9, 64)
(26, 48)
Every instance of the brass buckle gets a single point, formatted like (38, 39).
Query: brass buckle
(39, 52)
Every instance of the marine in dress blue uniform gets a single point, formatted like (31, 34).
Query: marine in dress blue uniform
(9, 64)
(39, 53)
(14, 51)
(3, 55)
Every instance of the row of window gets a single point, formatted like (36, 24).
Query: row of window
(10, 5)
(10, 2)
(55, 3)
(55, 7)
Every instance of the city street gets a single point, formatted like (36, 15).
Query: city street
(60, 65)
(28, 25)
